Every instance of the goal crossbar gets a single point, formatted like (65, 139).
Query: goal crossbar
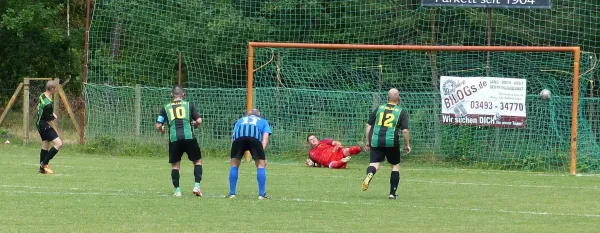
(572, 49)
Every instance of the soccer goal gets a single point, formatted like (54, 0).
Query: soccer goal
(477, 105)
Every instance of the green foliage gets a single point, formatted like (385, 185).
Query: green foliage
(35, 43)
(587, 164)
(141, 36)
(543, 161)
(7, 134)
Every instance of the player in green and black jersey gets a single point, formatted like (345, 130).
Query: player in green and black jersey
(47, 128)
(180, 116)
(383, 139)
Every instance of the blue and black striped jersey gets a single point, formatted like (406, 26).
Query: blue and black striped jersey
(251, 126)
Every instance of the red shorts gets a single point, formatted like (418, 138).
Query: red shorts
(325, 160)
(338, 155)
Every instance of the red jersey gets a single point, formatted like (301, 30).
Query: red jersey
(323, 153)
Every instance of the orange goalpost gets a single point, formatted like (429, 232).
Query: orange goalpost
(576, 51)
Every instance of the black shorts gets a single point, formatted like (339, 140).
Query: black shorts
(243, 144)
(378, 154)
(47, 133)
(189, 146)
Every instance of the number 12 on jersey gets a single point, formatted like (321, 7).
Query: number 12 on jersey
(388, 119)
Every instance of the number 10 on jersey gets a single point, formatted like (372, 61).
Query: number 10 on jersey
(178, 114)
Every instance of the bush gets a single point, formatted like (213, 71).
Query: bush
(6, 134)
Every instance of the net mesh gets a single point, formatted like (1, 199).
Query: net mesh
(133, 62)
(331, 92)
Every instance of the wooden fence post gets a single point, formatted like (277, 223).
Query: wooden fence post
(26, 110)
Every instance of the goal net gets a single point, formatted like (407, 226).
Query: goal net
(331, 92)
(134, 49)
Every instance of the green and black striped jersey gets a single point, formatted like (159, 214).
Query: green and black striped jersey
(45, 110)
(386, 123)
(178, 116)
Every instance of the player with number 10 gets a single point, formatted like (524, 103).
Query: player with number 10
(180, 116)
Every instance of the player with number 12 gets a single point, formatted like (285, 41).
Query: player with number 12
(383, 139)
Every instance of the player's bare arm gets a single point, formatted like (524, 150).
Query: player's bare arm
(52, 117)
(52, 124)
(265, 140)
(196, 119)
(367, 141)
(406, 136)
(197, 122)
(336, 145)
(160, 128)
(162, 115)
(370, 123)
(310, 163)
(405, 132)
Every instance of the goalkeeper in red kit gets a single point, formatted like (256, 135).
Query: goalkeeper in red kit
(329, 153)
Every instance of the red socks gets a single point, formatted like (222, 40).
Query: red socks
(354, 150)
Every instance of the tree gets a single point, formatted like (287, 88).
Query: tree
(36, 42)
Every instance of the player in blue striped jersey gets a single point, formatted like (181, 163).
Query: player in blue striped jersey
(250, 133)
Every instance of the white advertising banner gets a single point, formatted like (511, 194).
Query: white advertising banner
(483, 101)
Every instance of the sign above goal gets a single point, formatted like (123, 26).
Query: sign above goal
(483, 101)
(542, 4)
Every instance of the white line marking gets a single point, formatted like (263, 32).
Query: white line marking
(150, 191)
(76, 193)
(437, 169)
(284, 199)
(514, 212)
(351, 176)
(502, 185)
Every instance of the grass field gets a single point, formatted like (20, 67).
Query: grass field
(91, 193)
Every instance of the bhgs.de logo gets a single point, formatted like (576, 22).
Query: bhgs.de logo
(449, 87)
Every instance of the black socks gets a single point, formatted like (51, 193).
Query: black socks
(371, 169)
(50, 155)
(197, 173)
(394, 181)
(43, 154)
(175, 177)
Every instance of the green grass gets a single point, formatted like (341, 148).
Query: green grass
(91, 193)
